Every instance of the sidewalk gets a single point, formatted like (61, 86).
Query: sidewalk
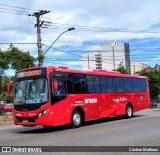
(6, 119)
(158, 105)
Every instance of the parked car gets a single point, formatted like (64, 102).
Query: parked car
(6, 107)
(153, 103)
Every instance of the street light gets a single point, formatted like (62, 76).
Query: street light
(70, 29)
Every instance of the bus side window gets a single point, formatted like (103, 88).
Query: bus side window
(144, 85)
(70, 83)
(118, 84)
(127, 82)
(76, 84)
(137, 85)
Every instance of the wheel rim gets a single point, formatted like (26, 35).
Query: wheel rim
(76, 119)
(129, 111)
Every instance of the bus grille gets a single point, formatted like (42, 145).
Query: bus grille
(30, 119)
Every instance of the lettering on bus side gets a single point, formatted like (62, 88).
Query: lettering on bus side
(90, 100)
(121, 99)
(78, 103)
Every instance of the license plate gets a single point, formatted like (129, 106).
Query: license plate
(25, 121)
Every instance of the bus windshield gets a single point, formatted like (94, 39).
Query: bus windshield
(31, 91)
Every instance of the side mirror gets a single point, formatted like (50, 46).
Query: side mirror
(9, 89)
(55, 85)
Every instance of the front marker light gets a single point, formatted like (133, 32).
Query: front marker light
(45, 111)
(42, 113)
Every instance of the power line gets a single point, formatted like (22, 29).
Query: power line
(15, 10)
(100, 29)
(17, 7)
(64, 51)
(18, 43)
(13, 13)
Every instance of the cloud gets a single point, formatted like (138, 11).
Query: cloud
(85, 16)
(58, 53)
(156, 58)
(123, 14)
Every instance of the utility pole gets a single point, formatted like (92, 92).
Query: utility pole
(38, 25)
(88, 62)
(113, 44)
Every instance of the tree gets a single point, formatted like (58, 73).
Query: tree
(154, 82)
(3, 94)
(15, 59)
(4, 63)
(19, 59)
(122, 70)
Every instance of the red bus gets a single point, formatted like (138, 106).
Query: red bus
(51, 96)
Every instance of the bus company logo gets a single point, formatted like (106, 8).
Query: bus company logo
(117, 100)
(121, 99)
(90, 100)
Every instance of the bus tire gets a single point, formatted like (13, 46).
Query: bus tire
(129, 111)
(76, 119)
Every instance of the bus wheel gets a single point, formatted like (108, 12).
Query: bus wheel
(76, 119)
(129, 111)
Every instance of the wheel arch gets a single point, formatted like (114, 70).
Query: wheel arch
(80, 109)
(130, 103)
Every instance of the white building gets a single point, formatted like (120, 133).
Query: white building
(92, 61)
(138, 66)
(111, 56)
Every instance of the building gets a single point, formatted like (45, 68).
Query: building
(92, 61)
(111, 56)
(138, 66)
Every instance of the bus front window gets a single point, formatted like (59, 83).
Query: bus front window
(31, 91)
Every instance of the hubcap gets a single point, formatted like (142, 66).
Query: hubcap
(76, 119)
(129, 111)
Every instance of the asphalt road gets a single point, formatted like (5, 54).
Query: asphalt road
(142, 130)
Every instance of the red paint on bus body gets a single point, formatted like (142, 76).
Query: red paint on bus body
(94, 106)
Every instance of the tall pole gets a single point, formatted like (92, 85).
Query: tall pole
(39, 25)
(113, 57)
(39, 44)
(113, 43)
(88, 62)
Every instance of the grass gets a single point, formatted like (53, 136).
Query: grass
(6, 119)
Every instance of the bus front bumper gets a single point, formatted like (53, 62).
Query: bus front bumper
(45, 120)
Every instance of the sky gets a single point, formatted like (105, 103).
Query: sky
(132, 21)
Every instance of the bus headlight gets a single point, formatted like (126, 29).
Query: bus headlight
(42, 113)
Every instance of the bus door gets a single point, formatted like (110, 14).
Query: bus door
(58, 93)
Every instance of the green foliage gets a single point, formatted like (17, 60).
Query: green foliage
(154, 82)
(3, 94)
(40, 58)
(4, 63)
(13, 58)
(122, 70)
(18, 59)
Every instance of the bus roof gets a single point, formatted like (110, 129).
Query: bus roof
(93, 72)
